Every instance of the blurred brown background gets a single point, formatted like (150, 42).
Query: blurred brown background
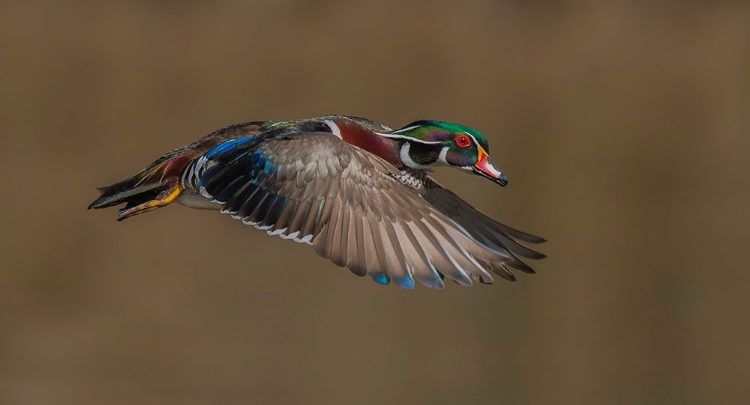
(623, 126)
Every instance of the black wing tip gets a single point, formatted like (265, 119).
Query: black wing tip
(522, 267)
(506, 274)
(521, 235)
(531, 254)
(519, 249)
(529, 238)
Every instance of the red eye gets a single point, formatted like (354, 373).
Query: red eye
(463, 141)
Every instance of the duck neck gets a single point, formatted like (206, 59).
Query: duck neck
(418, 155)
(385, 148)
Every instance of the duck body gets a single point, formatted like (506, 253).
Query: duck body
(356, 190)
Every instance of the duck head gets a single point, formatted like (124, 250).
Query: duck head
(424, 144)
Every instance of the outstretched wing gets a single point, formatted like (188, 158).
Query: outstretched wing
(353, 207)
(479, 226)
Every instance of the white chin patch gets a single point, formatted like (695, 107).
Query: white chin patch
(406, 157)
(334, 127)
(442, 157)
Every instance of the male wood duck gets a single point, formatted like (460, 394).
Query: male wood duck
(357, 191)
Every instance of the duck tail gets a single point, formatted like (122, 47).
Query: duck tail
(156, 186)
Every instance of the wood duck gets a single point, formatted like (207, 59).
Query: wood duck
(357, 191)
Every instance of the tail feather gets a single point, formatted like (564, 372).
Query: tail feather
(112, 195)
(148, 188)
(158, 185)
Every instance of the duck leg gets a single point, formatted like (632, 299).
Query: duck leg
(164, 198)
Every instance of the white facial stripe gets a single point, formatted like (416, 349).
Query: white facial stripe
(408, 138)
(473, 138)
(443, 154)
(407, 129)
(396, 135)
(334, 128)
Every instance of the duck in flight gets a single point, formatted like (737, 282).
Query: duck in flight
(359, 192)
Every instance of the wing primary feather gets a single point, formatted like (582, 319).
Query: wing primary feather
(483, 272)
(397, 265)
(359, 267)
(503, 242)
(426, 273)
(329, 204)
(377, 270)
(299, 218)
(519, 264)
(438, 258)
(462, 256)
(316, 208)
(526, 237)
(338, 243)
(480, 228)
(454, 271)
(354, 244)
(332, 234)
(503, 271)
